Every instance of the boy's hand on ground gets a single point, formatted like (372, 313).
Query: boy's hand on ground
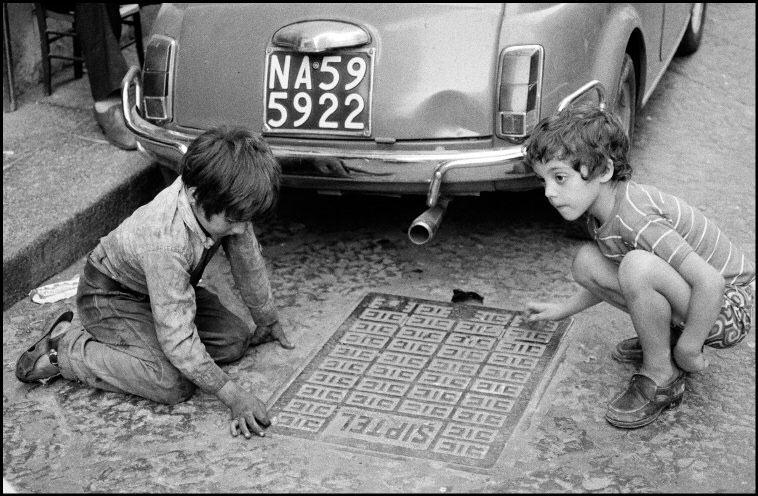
(543, 311)
(273, 332)
(247, 412)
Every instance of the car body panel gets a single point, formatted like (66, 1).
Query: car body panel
(449, 99)
(675, 18)
(435, 84)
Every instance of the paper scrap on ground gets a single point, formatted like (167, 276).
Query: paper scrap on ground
(51, 293)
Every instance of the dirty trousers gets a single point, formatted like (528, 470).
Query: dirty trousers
(116, 347)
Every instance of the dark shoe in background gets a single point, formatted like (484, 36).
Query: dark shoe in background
(630, 350)
(112, 123)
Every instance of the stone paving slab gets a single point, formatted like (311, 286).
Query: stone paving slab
(64, 437)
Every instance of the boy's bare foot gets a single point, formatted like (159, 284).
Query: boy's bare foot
(43, 368)
(688, 359)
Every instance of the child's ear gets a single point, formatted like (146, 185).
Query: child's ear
(191, 191)
(608, 173)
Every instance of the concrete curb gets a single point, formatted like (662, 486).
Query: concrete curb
(72, 237)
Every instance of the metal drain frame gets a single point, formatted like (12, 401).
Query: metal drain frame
(420, 378)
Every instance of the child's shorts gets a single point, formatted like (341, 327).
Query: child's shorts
(735, 319)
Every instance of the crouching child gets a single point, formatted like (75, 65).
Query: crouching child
(147, 328)
(680, 278)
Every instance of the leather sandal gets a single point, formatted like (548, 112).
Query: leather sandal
(644, 400)
(25, 366)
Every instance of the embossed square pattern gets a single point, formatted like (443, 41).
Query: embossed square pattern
(420, 378)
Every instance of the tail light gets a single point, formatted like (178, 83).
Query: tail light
(520, 88)
(156, 79)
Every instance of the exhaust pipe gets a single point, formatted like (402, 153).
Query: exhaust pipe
(425, 226)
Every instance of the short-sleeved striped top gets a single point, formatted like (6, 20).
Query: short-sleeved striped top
(644, 218)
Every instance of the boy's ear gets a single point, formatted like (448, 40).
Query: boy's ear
(608, 173)
(191, 193)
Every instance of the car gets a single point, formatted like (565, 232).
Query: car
(424, 99)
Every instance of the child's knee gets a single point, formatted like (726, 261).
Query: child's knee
(232, 350)
(585, 264)
(174, 388)
(638, 269)
(182, 392)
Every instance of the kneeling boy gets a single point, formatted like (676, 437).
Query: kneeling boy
(148, 328)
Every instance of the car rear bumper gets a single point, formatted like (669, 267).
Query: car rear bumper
(437, 172)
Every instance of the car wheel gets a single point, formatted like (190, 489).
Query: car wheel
(694, 33)
(625, 106)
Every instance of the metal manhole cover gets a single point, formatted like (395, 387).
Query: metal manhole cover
(421, 378)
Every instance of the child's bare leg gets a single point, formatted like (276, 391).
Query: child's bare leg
(653, 290)
(598, 275)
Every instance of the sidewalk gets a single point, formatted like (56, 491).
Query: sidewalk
(64, 186)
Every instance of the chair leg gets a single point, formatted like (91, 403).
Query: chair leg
(8, 66)
(44, 46)
(77, 53)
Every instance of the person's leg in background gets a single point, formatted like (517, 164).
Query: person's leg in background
(99, 28)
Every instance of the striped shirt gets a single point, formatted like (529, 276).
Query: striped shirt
(644, 218)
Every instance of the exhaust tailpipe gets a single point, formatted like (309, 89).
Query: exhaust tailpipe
(425, 226)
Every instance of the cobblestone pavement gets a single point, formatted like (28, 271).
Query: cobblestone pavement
(695, 138)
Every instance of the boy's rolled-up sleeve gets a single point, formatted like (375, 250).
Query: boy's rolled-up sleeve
(172, 299)
(250, 275)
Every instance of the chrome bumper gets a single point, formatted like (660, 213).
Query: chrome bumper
(432, 167)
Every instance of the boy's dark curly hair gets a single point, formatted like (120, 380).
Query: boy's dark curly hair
(234, 172)
(582, 134)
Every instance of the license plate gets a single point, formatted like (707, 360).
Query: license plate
(318, 93)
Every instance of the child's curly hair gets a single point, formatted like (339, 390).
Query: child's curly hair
(234, 172)
(581, 135)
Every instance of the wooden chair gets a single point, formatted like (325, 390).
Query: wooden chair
(130, 16)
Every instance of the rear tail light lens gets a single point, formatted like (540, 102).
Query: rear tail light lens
(520, 89)
(157, 80)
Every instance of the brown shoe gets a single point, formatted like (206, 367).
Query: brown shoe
(112, 123)
(630, 350)
(644, 400)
